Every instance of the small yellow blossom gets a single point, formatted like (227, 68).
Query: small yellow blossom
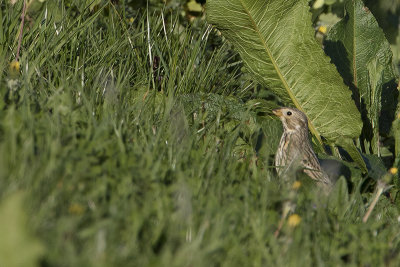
(76, 209)
(322, 29)
(14, 67)
(294, 220)
(296, 185)
(131, 20)
(393, 170)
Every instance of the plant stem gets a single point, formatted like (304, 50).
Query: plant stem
(376, 198)
(21, 28)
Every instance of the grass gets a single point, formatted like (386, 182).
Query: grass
(110, 157)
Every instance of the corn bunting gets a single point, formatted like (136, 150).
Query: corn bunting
(295, 150)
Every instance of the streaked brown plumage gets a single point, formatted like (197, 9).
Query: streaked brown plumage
(295, 150)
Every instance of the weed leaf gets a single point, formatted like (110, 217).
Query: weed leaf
(276, 42)
(362, 55)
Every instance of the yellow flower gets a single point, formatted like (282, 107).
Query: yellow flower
(76, 209)
(322, 29)
(296, 185)
(14, 67)
(294, 220)
(393, 170)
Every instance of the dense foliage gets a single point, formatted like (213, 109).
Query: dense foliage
(134, 133)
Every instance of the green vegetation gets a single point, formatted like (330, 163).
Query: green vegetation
(135, 135)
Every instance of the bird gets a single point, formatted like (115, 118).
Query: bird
(295, 150)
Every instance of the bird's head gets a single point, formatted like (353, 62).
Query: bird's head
(292, 119)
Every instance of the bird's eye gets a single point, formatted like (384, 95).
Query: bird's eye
(289, 113)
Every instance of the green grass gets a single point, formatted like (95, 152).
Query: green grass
(124, 164)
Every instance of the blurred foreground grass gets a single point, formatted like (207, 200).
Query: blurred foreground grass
(123, 150)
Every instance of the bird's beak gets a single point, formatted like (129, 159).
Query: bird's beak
(277, 112)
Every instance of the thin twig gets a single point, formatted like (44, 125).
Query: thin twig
(278, 230)
(285, 212)
(21, 30)
(372, 206)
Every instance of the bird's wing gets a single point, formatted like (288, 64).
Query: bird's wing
(313, 169)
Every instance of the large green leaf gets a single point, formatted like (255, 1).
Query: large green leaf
(359, 49)
(276, 41)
